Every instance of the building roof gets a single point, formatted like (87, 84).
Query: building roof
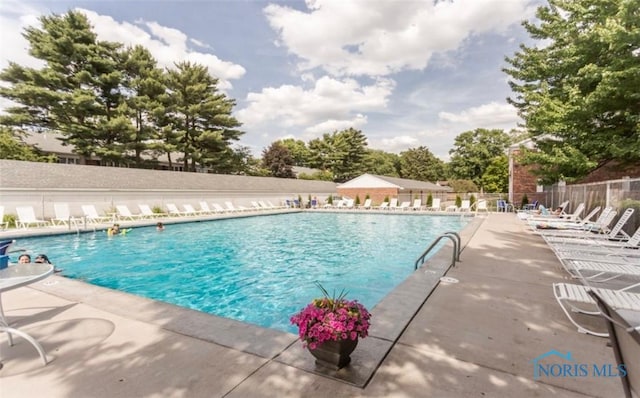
(376, 181)
(20, 174)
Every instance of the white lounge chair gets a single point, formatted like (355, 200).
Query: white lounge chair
(624, 338)
(481, 205)
(367, 204)
(190, 210)
(92, 216)
(149, 213)
(63, 215)
(204, 208)
(27, 217)
(600, 239)
(217, 208)
(393, 204)
(404, 206)
(573, 298)
(568, 226)
(435, 205)
(173, 210)
(231, 207)
(601, 272)
(125, 214)
(417, 204)
(465, 206)
(383, 206)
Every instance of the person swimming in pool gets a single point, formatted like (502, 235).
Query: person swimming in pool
(44, 259)
(24, 259)
(115, 230)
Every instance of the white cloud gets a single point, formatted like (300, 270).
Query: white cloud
(362, 37)
(329, 103)
(491, 115)
(395, 144)
(168, 45)
(14, 18)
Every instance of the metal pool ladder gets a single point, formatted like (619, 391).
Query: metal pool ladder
(457, 247)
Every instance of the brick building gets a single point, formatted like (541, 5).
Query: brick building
(380, 187)
(521, 180)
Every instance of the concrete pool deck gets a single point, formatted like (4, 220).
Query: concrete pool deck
(478, 337)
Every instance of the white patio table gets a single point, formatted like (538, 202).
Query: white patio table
(16, 276)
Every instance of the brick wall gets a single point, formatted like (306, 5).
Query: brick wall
(612, 171)
(377, 195)
(525, 182)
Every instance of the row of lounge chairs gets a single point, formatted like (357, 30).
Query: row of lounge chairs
(26, 217)
(393, 204)
(605, 263)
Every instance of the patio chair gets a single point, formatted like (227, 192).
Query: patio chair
(27, 217)
(480, 205)
(367, 204)
(173, 210)
(465, 206)
(601, 272)
(383, 206)
(92, 216)
(417, 204)
(204, 208)
(231, 207)
(404, 206)
(572, 230)
(148, 212)
(503, 206)
(625, 342)
(584, 224)
(63, 215)
(217, 208)
(393, 204)
(189, 210)
(435, 205)
(531, 206)
(575, 298)
(615, 238)
(125, 214)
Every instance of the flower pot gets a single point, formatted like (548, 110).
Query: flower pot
(334, 354)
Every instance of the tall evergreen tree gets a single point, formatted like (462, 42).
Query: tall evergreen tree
(202, 116)
(145, 99)
(75, 92)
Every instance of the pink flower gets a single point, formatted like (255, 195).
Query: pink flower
(326, 319)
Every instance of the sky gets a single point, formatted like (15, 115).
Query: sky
(407, 73)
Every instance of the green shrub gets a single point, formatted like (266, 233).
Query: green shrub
(525, 201)
(472, 199)
(157, 209)
(458, 201)
(386, 199)
(330, 200)
(357, 201)
(10, 219)
(367, 196)
(430, 200)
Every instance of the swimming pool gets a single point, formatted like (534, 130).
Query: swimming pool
(259, 270)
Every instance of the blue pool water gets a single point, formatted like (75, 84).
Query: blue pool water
(259, 270)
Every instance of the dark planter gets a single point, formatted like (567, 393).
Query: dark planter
(334, 354)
